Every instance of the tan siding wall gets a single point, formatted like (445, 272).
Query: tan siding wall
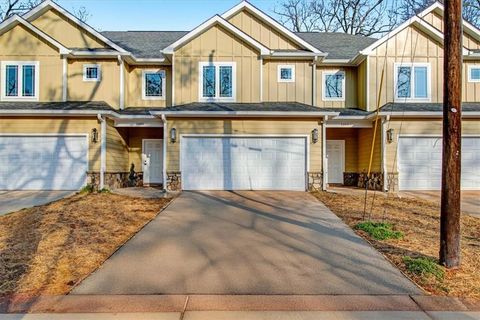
(298, 91)
(261, 31)
(365, 138)
(350, 136)
(270, 126)
(65, 31)
(117, 149)
(135, 137)
(351, 96)
(133, 84)
(56, 126)
(410, 45)
(470, 90)
(108, 89)
(362, 84)
(19, 44)
(216, 44)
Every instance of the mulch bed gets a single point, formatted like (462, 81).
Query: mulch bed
(46, 250)
(419, 220)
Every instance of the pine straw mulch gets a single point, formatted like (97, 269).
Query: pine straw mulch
(46, 250)
(419, 220)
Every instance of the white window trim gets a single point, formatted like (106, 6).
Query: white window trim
(412, 84)
(324, 79)
(217, 98)
(164, 79)
(99, 73)
(3, 95)
(286, 66)
(470, 69)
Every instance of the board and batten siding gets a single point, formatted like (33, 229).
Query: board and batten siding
(133, 87)
(107, 89)
(216, 45)
(261, 31)
(20, 44)
(351, 95)
(298, 91)
(65, 31)
(56, 126)
(362, 85)
(247, 127)
(470, 90)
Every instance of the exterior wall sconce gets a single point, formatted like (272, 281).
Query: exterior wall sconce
(94, 135)
(390, 135)
(173, 135)
(315, 135)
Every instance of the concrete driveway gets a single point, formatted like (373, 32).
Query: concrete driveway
(470, 199)
(11, 201)
(246, 243)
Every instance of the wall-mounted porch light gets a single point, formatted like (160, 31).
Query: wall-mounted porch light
(173, 135)
(315, 135)
(94, 135)
(390, 135)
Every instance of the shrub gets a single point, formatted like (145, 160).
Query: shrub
(87, 189)
(379, 230)
(424, 267)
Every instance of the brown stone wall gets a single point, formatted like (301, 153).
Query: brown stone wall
(114, 180)
(174, 181)
(374, 183)
(315, 181)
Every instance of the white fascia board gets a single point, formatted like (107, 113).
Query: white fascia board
(423, 114)
(47, 4)
(58, 113)
(16, 20)
(294, 54)
(207, 24)
(271, 21)
(215, 114)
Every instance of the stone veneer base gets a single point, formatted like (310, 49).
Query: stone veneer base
(174, 181)
(315, 181)
(375, 182)
(114, 180)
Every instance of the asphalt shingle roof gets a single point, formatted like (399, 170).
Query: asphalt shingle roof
(338, 45)
(144, 44)
(427, 107)
(74, 105)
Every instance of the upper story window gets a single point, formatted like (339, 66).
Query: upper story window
(92, 72)
(19, 80)
(412, 82)
(474, 73)
(217, 81)
(153, 85)
(333, 85)
(286, 73)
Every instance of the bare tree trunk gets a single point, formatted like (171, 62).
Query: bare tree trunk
(452, 136)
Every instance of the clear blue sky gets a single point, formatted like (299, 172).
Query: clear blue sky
(155, 14)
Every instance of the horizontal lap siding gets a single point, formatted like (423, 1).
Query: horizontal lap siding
(11, 125)
(260, 127)
(350, 136)
(135, 138)
(365, 139)
(117, 149)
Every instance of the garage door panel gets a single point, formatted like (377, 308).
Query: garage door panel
(420, 163)
(43, 162)
(243, 163)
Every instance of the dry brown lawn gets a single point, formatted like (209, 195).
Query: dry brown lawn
(419, 221)
(50, 248)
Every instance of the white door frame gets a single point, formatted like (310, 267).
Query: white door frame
(143, 163)
(342, 145)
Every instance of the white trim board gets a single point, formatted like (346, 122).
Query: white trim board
(20, 97)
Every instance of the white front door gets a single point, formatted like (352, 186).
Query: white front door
(336, 160)
(152, 161)
(243, 163)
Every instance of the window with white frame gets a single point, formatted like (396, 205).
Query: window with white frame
(286, 73)
(153, 85)
(474, 73)
(20, 80)
(92, 72)
(333, 85)
(217, 81)
(412, 82)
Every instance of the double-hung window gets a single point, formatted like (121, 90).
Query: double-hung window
(412, 82)
(153, 85)
(92, 72)
(333, 87)
(217, 81)
(19, 80)
(474, 73)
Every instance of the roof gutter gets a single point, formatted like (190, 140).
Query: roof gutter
(240, 114)
(417, 114)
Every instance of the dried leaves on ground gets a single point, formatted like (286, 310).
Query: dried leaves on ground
(419, 221)
(48, 249)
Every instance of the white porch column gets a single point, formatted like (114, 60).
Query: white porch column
(324, 153)
(103, 150)
(384, 153)
(165, 141)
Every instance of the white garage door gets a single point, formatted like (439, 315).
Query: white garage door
(243, 163)
(420, 163)
(43, 162)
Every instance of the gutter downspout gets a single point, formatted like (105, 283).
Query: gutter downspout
(164, 155)
(103, 149)
(324, 153)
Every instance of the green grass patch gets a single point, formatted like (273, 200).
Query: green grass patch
(424, 267)
(379, 230)
(87, 189)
